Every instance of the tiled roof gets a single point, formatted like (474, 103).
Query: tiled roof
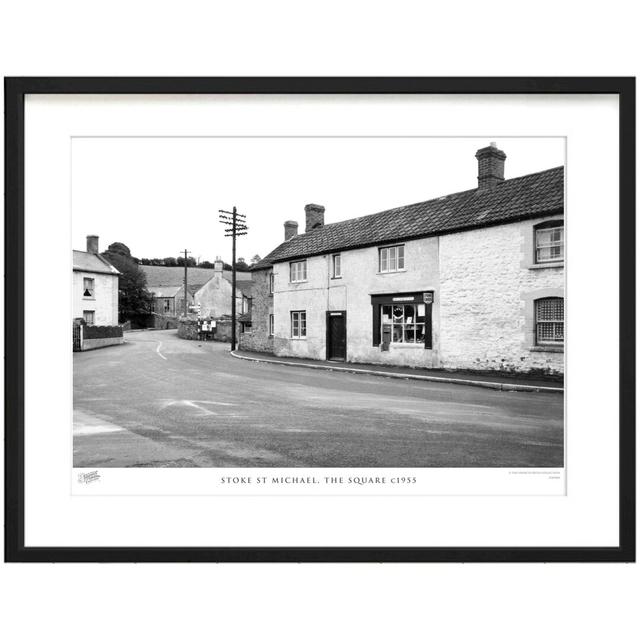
(240, 275)
(164, 292)
(246, 286)
(529, 196)
(93, 262)
(174, 276)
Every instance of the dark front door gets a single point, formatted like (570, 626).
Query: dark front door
(336, 335)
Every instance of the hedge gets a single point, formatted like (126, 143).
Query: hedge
(92, 332)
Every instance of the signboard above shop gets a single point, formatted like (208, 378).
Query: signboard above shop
(394, 298)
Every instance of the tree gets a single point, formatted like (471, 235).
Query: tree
(191, 262)
(170, 262)
(255, 259)
(133, 298)
(241, 265)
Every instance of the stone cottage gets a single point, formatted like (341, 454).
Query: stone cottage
(471, 280)
(208, 290)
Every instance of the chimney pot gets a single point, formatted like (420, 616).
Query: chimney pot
(490, 166)
(314, 216)
(290, 229)
(92, 244)
(218, 265)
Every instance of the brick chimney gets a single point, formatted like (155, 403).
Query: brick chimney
(490, 166)
(92, 244)
(315, 216)
(290, 229)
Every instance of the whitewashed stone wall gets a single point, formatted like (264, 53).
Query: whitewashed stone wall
(487, 286)
(352, 292)
(104, 301)
(214, 297)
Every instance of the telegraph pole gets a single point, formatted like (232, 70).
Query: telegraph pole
(235, 226)
(185, 282)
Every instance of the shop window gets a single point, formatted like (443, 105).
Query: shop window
(405, 323)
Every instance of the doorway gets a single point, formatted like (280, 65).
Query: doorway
(336, 335)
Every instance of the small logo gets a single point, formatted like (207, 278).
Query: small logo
(88, 477)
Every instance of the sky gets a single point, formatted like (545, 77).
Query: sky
(160, 196)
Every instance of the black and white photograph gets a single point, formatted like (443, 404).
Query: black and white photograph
(318, 302)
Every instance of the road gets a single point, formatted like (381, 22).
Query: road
(159, 401)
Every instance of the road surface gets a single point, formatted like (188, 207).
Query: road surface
(158, 401)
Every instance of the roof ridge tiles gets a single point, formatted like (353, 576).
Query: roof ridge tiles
(540, 192)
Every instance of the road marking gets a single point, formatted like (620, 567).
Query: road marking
(90, 430)
(158, 351)
(169, 403)
(86, 423)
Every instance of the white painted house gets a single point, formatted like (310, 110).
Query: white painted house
(95, 287)
(472, 280)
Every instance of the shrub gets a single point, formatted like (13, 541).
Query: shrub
(91, 332)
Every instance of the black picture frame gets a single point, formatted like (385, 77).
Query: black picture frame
(15, 91)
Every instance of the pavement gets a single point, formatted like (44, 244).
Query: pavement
(158, 401)
(489, 380)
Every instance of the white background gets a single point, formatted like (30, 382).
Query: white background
(586, 516)
(331, 38)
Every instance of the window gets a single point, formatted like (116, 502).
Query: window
(298, 324)
(550, 242)
(549, 321)
(167, 305)
(391, 259)
(88, 285)
(298, 271)
(271, 324)
(89, 316)
(272, 279)
(337, 265)
(246, 327)
(246, 304)
(404, 323)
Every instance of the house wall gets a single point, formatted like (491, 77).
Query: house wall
(360, 279)
(258, 339)
(488, 282)
(178, 303)
(104, 301)
(159, 306)
(214, 297)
